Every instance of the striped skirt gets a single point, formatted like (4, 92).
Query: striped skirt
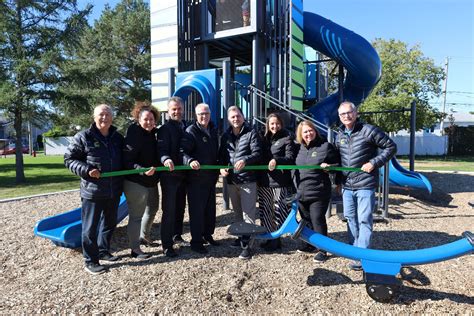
(274, 206)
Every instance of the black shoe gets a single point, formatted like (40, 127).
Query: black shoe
(320, 257)
(94, 268)
(235, 243)
(141, 256)
(246, 254)
(355, 265)
(306, 248)
(170, 253)
(199, 249)
(178, 240)
(148, 243)
(210, 240)
(108, 257)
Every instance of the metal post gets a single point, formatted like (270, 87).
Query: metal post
(386, 188)
(412, 135)
(340, 83)
(227, 94)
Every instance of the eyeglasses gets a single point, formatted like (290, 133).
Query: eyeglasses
(346, 114)
(203, 113)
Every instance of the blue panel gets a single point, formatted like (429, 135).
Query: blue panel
(311, 90)
(206, 83)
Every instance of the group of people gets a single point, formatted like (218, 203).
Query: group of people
(100, 148)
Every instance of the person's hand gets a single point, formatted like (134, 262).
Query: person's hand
(368, 167)
(94, 173)
(239, 165)
(272, 165)
(224, 172)
(169, 164)
(324, 165)
(195, 165)
(339, 189)
(150, 172)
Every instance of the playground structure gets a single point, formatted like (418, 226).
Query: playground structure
(214, 43)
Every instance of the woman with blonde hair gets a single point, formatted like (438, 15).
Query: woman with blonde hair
(314, 185)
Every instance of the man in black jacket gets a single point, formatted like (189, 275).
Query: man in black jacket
(359, 146)
(173, 187)
(93, 151)
(240, 146)
(200, 147)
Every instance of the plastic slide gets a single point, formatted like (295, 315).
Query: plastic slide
(402, 177)
(364, 70)
(65, 229)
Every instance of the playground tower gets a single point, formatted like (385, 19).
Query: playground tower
(261, 42)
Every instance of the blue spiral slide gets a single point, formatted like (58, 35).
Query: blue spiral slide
(364, 70)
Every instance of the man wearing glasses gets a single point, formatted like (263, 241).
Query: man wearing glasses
(200, 147)
(369, 148)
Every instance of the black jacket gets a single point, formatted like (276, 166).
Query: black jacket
(91, 150)
(283, 149)
(244, 146)
(360, 147)
(313, 184)
(169, 143)
(202, 145)
(141, 151)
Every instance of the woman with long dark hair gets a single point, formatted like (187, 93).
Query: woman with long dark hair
(275, 186)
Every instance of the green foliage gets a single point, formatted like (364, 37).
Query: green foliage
(33, 36)
(460, 140)
(406, 76)
(111, 63)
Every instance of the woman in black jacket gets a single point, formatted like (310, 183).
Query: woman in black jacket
(275, 186)
(314, 185)
(141, 190)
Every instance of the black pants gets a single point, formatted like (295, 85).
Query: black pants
(315, 213)
(173, 201)
(99, 218)
(202, 208)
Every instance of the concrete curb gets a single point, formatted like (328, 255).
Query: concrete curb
(35, 196)
(471, 173)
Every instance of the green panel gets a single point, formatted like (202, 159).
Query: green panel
(296, 31)
(297, 47)
(297, 76)
(296, 61)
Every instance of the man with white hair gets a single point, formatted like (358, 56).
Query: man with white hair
(369, 148)
(93, 151)
(200, 147)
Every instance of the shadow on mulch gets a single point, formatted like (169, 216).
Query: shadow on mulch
(325, 277)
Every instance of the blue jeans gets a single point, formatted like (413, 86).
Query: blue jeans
(358, 208)
(99, 218)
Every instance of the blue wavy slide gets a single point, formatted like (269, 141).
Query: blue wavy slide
(65, 229)
(364, 70)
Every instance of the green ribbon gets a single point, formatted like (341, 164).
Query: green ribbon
(217, 167)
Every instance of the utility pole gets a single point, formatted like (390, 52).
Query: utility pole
(441, 125)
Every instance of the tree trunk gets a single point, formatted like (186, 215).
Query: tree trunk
(20, 174)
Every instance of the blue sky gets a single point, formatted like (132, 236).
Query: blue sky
(442, 28)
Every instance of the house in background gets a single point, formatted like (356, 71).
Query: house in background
(431, 141)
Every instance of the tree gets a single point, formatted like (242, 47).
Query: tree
(33, 36)
(111, 64)
(406, 76)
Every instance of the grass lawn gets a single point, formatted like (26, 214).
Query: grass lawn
(43, 174)
(437, 163)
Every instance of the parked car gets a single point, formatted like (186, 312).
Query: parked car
(10, 149)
